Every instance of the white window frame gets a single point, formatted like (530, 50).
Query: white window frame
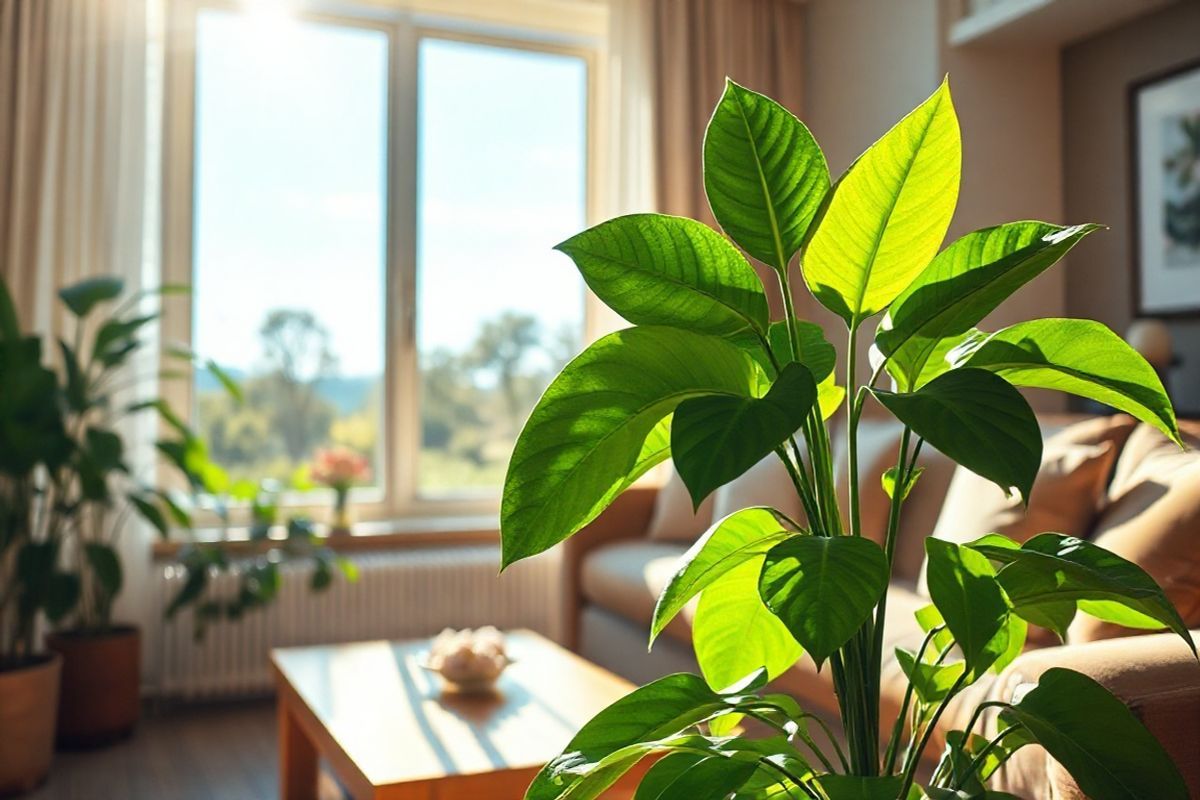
(573, 28)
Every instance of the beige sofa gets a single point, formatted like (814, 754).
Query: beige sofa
(616, 567)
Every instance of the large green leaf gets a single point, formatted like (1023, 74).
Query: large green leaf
(1052, 569)
(664, 772)
(823, 588)
(931, 682)
(711, 778)
(734, 634)
(654, 269)
(589, 436)
(739, 537)
(963, 586)
(816, 352)
(1099, 741)
(1082, 357)
(82, 297)
(715, 438)
(962, 285)
(888, 214)
(853, 787)
(979, 421)
(764, 175)
(106, 566)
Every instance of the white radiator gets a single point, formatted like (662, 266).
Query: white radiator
(399, 595)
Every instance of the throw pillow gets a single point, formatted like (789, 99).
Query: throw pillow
(673, 519)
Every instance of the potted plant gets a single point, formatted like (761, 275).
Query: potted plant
(34, 449)
(709, 380)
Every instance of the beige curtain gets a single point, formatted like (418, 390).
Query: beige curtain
(698, 43)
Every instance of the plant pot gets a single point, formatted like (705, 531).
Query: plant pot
(101, 685)
(28, 706)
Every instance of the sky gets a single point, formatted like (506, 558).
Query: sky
(290, 186)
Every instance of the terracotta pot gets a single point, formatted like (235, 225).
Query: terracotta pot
(28, 706)
(101, 681)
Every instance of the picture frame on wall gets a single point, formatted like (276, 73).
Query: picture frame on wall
(1165, 137)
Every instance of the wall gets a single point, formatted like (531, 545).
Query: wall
(1096, 74)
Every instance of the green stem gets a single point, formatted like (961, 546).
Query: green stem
(893, 747)
(978, 760)
(914, 755)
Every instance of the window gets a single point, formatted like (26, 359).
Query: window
(372, 210)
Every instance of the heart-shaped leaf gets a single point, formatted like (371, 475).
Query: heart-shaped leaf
(597, 428)
(1082, 357)
(979, 421)
(887, 215)
(764, 175)
(715, 438)
(823, 588)
(653, 269)
(962, 285)
(1099, 741)
(963, 586)
(739, 537)
(82, 297)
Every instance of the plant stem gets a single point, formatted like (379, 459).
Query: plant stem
(893, 747)
(914, 756)
(978, 760)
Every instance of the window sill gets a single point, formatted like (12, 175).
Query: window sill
(374, 535)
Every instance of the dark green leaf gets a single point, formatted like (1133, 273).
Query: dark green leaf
(653, 269)
(82, 297)
(711, 778)
(715, 438)
(76, 388)
(114, 334)
(739, 537)
(600, 426)
(106, 565)
(1081, 357)
(965, 283)
(823, 589)
(887, 214)
(1099, 741)
(979, 421)
(663, 774)
(151, 513)
(852, 787)
(62, 595)
(10, 327)
(963, 586)
(104, 448)
(764, 175)
(816, 352)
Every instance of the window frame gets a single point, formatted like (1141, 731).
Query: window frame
(560, 27)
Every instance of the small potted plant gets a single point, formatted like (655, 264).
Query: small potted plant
(341, 469)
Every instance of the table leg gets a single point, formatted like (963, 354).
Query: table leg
(297, 758)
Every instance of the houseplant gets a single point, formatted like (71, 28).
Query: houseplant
(707, 379)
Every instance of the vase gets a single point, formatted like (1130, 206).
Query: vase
(100, 698)
(28, 708)
(342, 519)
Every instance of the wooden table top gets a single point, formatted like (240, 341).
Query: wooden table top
(392, 719)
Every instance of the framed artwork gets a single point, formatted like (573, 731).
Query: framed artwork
(1165, 132)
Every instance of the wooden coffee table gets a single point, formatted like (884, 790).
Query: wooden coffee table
(387, 730)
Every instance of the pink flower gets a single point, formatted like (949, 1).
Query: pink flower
(340, 468)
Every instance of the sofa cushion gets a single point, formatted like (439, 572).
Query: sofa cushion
(1149, 456)
(767, 483)
(627, 577)
(1156, 525)
(674, 520)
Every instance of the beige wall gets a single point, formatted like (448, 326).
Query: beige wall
(1096, 74)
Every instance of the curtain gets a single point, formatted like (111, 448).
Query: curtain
(697, 44)
(76, 135)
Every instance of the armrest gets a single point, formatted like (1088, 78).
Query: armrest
(1156, 676)
(627, 518)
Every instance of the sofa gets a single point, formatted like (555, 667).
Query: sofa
(1109, 479)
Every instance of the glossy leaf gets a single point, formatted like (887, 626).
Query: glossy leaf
(654, 269)
(664, 772)
(710, 778)
(888, 480)
(1095, 736)
(734, 634)
(1081, 357)
(590, 435)
(823, 589)
(764, 174)
(852, 787)
(963, 586)
(715, 438)
(979, 421)
(106, 565)
(965, 283)
(888, 214)
(82, 297)
(931, 682)
(734, 540)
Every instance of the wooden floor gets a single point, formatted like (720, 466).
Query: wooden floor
(219, 752)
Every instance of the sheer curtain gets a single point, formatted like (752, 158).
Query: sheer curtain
(78, 134)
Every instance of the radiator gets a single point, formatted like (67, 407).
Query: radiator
(399, 595)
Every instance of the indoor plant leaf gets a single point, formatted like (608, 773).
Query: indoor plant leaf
(823, 588)
(979, 421)
(82, 297)
(654, 269)
(764, 174)
(584, 442)
(715, 438)
(664, 772)
(816, 352)
(106, 566)
(1082, 357)
(931, 682)
(734, 634)
(710, 778)
(1095, 736)
(963, 586)
(739, 537)
(965, 283)
(887, 215)
(853, 787)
